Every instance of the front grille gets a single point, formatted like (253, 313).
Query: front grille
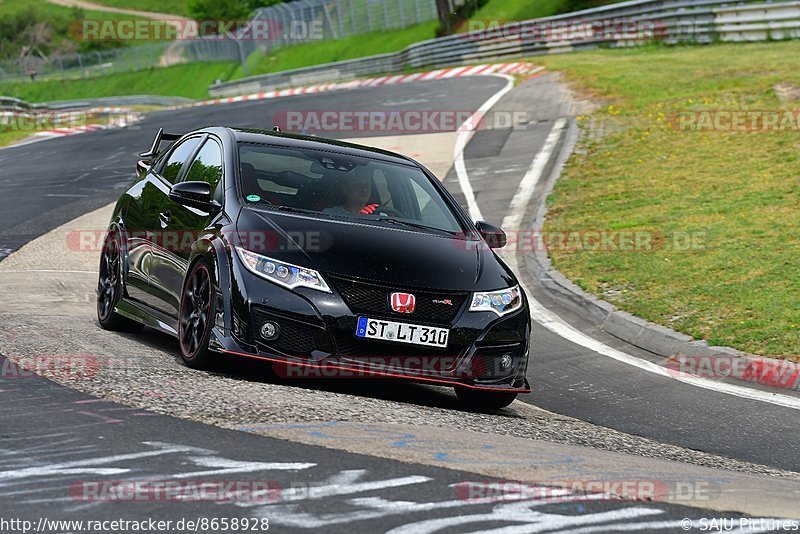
(370, 298)
(296, 337)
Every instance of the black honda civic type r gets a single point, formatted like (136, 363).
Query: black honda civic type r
(321, 257)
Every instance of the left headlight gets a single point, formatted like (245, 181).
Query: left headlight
(282, 273)
(501, 302)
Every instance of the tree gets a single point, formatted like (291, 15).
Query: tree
(226, 9)
(445, 17)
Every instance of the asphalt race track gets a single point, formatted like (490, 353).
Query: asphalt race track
(69, 436)
(56, 435)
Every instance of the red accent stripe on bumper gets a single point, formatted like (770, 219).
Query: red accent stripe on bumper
(379, 374)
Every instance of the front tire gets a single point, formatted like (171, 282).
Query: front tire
(109, 287)
(196, 317)
(493, 400)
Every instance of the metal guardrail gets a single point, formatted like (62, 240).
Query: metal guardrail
(116, 101)
(340, 70)
(672, 21)
(759, 22)
(76, 115)
(9, 104)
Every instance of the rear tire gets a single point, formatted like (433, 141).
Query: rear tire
(493, 400)
(196, 317)
(109, 287)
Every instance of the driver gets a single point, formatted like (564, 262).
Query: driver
(355, 192)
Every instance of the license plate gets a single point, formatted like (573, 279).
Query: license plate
(413, 334)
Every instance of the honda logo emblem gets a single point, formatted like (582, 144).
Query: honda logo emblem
(403, 302)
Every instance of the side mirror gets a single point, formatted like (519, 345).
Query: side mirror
(195, 195)
(142, 166)
(494, 236)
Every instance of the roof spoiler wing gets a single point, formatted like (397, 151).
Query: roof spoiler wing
(160, 136)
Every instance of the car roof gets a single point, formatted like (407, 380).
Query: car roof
(285, 139)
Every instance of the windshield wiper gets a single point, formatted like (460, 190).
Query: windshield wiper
(410, 224)
(291, 209)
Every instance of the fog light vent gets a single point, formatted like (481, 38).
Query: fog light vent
(506, 361)
(270, 331)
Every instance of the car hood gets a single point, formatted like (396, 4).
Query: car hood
(375, 252)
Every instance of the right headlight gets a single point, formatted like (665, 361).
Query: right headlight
(501, 302)
(282, 273)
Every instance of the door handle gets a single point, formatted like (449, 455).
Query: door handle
(165, 217)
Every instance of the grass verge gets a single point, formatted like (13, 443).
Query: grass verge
(500, 11)
(722, 207)
(9, 137)
(12, 131)
(190, 80)
(367, 44)
(509, 10)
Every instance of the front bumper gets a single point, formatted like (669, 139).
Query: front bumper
(318, 340)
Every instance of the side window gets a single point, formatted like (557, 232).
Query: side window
(382, 184)
(207, 167)
(172, 167)
(432, 208)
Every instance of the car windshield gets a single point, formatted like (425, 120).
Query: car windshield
(342, 186)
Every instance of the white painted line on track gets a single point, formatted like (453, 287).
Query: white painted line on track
(527, 186)
(552, 321)
(465, 134)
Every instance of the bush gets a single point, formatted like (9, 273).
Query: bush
(226, 9)
(44, 32)
(577, 5)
